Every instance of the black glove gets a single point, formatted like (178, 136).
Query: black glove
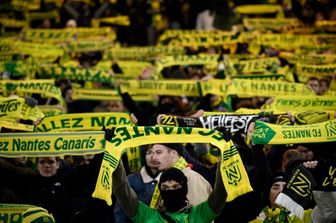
(297, 192)
(300, 185)
(32, 102)
(325, 175)
(109, 133)
(226, 134)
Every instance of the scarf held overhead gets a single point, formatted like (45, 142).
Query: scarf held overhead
(266, 133)
(83, 121)
(51, 144)
(234, 176)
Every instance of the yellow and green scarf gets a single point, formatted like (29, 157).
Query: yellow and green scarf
(234, 176)
(52, 144)
(266, 133)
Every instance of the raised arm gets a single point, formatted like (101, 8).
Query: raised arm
(218, 196)
(126, 196)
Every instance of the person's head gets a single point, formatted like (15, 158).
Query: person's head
(173, 187)
(71, 23)
(257, 102)
(166, 104)
(332, 13)
(319, 16)
(46, 24)
(313, 84)
(87, 159)
(289, 155)
(115, 106)
(305, 151)
(37, 215)
(196, 72)
(275, 185)
(166, 155)
(324, 86)
(212, 156)
(48, 166)
(149, 155)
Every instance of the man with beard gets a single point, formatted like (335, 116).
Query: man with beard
(143, 183)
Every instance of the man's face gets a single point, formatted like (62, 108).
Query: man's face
(163, 157)
(115, 106)
(149, 159)
(276, 189)
(47, 166)
(324, 86)
(314, 85)
(87, 159)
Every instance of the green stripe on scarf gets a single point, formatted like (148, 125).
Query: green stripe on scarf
(234, 176)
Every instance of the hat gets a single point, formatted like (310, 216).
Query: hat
(278, 176)
(37, 215)
(175, 146)
(173, 174)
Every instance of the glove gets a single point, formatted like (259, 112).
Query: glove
(297, 192)
(226, 134)
(31, 102)
(109, 133)
(325, 175)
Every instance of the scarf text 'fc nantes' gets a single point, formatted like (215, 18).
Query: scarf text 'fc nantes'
(266, 133)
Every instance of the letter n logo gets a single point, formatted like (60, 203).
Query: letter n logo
(233, 174)
(169, 120)
(331, 129)
(105, 180)
(300, 184)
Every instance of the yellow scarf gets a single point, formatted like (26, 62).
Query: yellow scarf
(234, 176)
(51, 144)
(10, 213)
(162, 87)
(302, 103)
(12, 108)
(266, 133)
(104, 95)
(44, 87)
(83, 121)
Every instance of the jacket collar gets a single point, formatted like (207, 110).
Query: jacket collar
(146, 178)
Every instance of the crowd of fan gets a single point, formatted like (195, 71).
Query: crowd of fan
(64, 185)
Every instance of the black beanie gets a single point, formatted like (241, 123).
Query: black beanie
(276, 177)
(174, 174)
(175, 146)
